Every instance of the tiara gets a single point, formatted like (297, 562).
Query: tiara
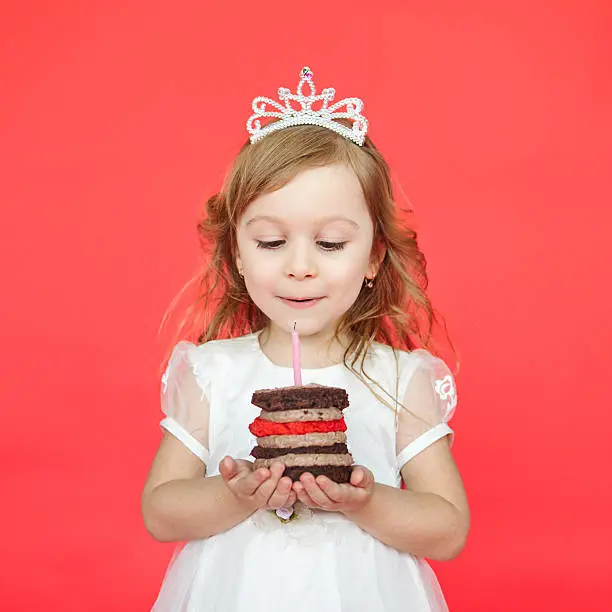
(289, 115)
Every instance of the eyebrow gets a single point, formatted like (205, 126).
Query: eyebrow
(322, 220)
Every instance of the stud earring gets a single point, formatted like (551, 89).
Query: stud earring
(369, 282)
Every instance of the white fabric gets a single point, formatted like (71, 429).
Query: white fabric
(179, 432)
(322, 561)
(422, 442)
(184, 400)
(429, 398)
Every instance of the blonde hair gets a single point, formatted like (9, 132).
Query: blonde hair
(396, 311)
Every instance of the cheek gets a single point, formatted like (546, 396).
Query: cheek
(351, 269)
(261, 275)
(257, 263)
(345, 282)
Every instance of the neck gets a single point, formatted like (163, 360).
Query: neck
(316, 350)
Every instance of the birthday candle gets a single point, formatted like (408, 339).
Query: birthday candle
(297, 366)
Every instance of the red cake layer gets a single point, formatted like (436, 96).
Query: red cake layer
(261, 428)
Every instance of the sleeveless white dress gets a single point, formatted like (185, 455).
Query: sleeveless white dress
(321, 561)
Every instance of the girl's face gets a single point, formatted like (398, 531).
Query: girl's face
(305, 249)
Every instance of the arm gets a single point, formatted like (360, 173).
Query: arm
(179, 503)
(430, 519)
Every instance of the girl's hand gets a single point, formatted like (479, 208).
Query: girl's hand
(326, 494)
(260, 488)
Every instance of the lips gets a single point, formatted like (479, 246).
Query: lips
(300, 299)
(300, 302)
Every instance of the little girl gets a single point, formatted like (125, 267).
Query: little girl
(305, 233)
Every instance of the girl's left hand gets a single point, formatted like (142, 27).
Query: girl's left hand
(325, 494)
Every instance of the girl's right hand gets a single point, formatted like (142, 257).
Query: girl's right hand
(261, 488)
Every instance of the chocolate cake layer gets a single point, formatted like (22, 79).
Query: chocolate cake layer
(271, 453)
(337, 474)
(299, 440)
(302, 415)
(308, 396)
(315, 460)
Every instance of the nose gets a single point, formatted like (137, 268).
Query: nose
(300, 262)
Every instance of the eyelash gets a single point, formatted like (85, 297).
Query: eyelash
(326, 246)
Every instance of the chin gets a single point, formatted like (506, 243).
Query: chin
(309, 322)
(308, 327)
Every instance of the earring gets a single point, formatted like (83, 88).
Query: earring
(369, 282)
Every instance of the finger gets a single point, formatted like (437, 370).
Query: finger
(227, 468)
(306, 499)
(265, 490)
(336, 492)
(357, 477)
(246, 485)
(314, 491)
(280, 495)
(361, 477)
(243, 466)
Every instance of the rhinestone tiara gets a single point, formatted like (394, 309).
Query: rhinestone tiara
(297, 110)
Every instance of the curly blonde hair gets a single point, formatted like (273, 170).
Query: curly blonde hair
(396, 311)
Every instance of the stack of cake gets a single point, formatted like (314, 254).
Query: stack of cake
(303, 428)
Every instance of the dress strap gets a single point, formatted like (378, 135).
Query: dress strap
(422, 442)
(181, 434)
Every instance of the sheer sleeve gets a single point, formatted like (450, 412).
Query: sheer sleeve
(430, 398)
(184, 400)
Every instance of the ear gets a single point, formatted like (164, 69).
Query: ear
(236, 257)
(379, 250)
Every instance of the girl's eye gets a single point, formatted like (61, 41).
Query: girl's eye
(274, 244)
(331, 246)
(326, 246)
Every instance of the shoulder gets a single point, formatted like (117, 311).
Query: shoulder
(407, 361)
(418, 367)
(207, 362)
(214, 353)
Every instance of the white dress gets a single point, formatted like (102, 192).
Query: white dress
(321, 561)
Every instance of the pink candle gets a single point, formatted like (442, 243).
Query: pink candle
(297, 367)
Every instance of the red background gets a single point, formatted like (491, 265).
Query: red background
(118, 118)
